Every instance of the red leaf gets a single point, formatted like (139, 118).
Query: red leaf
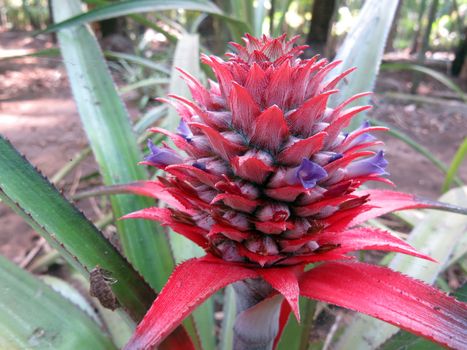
(286, 193)
(164, 217)
(304, 118)
(244, 108)
(385, 201)
(342, 121)
(304, 148)
(366, 238)
(237, 202)
(178, 340)
(190, 284)
(224, 77)
(391, 297)
(184, 171)
(198, 91)
(157, 190)
(251, 168)
(220, 145)
(284, 280)
(270, 129)
(283, 318)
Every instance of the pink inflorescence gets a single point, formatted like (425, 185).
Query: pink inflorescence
(268, 174)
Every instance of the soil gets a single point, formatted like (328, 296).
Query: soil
(39, 117)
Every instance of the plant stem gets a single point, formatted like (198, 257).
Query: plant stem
(257, 321)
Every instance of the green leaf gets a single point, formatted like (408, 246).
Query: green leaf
(123, 8)
(139, 19)
(440, 77)
(437, 236)
(144, 62)
(34, 316)
(229, 309)
(296, 336)
(67, 230)
(117, 323)
(363, 48)
(455, 164)
(408, 341)
(107, 126)
(258, 19)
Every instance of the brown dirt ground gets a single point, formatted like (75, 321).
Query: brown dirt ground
(38, 115)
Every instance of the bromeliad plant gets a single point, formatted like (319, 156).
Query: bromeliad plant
(268, 185)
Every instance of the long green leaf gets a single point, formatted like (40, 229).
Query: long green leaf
(229, 309)
(296, 335)
(363, 48)
(259, 15)
(33, 316)
(438, 235)
(137, 60)
(442, 78)
(66, 229)
(107, 126)
(139, 19)
(455, 164)
(128, 7)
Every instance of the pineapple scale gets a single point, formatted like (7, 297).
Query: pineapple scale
(266, 168)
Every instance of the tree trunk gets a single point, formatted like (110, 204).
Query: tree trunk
(460, 63)
(416, 37)
(393, 32)
(320, 25)
(425, 43)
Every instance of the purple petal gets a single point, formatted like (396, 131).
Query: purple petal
(162, 156)
(366, 137)
(184, 131)
(326, 157)
(370, 166)
(309, 173)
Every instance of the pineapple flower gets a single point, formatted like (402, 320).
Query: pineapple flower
(268, 183)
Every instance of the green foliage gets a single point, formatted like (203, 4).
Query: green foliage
(455, 164)
(34, 316)
(111, 138)
(66, 229)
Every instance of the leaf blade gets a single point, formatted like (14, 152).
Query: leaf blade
(127, 7)
(66, 228)
(111, 138)
(42, 318)
(390, 296)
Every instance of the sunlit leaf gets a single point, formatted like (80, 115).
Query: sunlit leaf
(363, 47)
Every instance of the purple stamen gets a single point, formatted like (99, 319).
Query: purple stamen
(184, 131)
(374, 165)
(162, 156)
(309, 173)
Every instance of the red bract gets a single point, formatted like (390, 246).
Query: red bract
(267, 185)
